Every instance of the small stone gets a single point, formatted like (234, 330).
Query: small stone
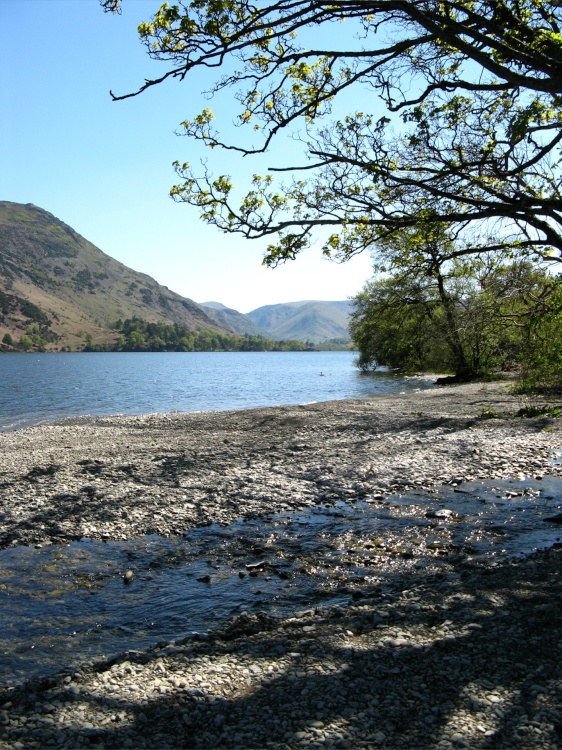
(440, 513)
(256, 566)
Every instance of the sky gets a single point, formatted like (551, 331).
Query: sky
(105, 168)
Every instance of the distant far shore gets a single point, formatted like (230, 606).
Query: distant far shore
(305, 348)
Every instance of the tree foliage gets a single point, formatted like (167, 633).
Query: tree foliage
(470, 316)
(460, 123)
(137, 335)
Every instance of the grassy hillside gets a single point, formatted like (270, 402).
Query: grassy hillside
(57, 284)
(232, 319)
(314, 321)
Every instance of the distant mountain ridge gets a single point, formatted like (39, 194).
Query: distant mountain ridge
(53, 280)
(308, 320)
(232, 319)
(315, 321)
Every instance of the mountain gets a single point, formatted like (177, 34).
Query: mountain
(56, 283)
(308, 320)
(217, 306)
(232, 319)
(61, 291)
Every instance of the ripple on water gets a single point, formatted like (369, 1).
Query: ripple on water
(67, 604)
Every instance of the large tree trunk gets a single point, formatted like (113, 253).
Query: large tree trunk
(463, 371)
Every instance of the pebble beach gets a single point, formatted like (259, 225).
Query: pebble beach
(464, 657)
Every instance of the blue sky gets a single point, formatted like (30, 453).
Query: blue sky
(105, 168)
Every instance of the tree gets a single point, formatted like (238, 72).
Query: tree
(469, 137)
(25, 343)
(89, 345)
(8, 339)
(470, 316)
(541, 344)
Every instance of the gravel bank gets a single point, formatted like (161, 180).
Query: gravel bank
(453, 660)
(122, 477)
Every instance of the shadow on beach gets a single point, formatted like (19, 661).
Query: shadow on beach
(469, 660)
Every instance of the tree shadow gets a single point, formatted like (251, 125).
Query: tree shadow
(470, 660)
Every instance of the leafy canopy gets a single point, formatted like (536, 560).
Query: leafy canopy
(470, 316)
(460, 124)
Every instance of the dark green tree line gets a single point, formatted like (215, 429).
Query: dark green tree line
(135, 335)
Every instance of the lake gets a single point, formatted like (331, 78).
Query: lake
(39, 388)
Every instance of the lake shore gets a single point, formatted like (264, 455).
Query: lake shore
(123, 477)
(460, 658)
(454, 661)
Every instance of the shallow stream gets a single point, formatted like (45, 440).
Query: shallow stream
(66, 604)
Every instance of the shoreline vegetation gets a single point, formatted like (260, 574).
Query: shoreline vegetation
(135, 335)
(467, 657)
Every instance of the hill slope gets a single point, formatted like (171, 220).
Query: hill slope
(232, 319)
(55, 281)
(314, 321)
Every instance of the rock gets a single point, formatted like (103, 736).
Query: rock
(442, 513)
(256, 566)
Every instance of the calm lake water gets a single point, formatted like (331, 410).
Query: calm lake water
(50, 387)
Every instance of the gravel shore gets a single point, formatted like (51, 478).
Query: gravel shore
(462, 658)
(122, 477)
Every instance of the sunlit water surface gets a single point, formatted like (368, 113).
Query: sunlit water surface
(51, 387)
(65, 604)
